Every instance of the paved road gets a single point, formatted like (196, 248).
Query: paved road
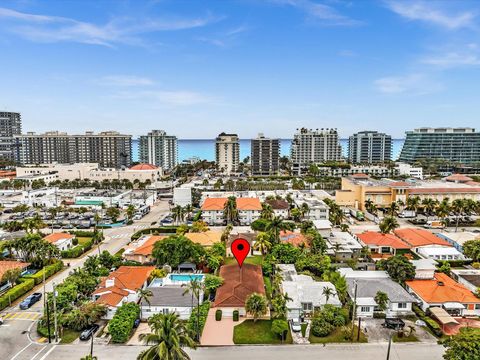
(17, 345)
(336, 352)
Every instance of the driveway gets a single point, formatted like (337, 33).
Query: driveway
(454, 329)
(143, 328)
(217, 333)
(377, 333)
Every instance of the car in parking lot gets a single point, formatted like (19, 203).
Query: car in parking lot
(89, 332)
(394, 323)
(296, 325)
(30, 300)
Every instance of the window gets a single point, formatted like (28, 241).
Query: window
(477, 306)
(365, 309)
(307, 306)
(402, 305)
(165, 311)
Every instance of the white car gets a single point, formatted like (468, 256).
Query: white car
(296, 325)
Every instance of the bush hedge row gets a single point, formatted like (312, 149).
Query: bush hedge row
(432, 324)
(77, 250)
(121, 325)
(192, 321)
(15, 292)
(82, 233)
(48, 270)
(160, 230)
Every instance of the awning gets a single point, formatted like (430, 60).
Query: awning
(442, 316)
(453, 306)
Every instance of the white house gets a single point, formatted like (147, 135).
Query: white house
(324, 227)
(62, 241)
(169, 299)
(364, 285)
(305, 293)
(424, 268)
(279, 207)
(457, 239)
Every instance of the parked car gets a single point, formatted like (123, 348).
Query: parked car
(136, 323)
(30, 300)
(296, 325)
(395, 324)
(89, 332)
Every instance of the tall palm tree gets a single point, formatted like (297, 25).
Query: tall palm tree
(413, 202)
(178, 214)
(388, 224)
(275, 226)
(130, 212)
(263, 243)
(267, 212)
(429, 206)
(443, 210)
(393, 209)
(169, 336)
(458, 207)
(144, 295)
(304, 209)
(195, 287)
(230, 211)
(327, 292)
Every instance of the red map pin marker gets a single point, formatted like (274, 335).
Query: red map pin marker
(240, 249)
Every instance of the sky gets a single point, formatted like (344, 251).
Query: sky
(197, 68)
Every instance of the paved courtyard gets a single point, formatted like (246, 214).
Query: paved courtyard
(378, 334)
(216, 333)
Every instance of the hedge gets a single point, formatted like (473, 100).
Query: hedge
(432, 324)
(192, 321)
(160, 230)
(77, 250)
(49, 271)
(235, 315)
(82, 233)
(15, 292)
(197, 216)
(121, 325)
(218, 315)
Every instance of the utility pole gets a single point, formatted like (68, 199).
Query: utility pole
(55, 313)
(91, 346)
(354, 311)
(48, 324)
(389, 345)
(44, 293)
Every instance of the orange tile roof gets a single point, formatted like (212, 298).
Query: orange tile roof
(110, 299)
(6, 265)
(458, 177)
(360, 176)
(249, 204)
(466, 190)
(147, 247)
(419, 237)
(400, 184)
(207, 238)
(53, 238)
(239, 283)
(379, 239)
(293, 238)
(127, 277)
(433, 293)
(214, 204)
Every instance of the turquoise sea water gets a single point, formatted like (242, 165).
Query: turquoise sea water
(205, 148)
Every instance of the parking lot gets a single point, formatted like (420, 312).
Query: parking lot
(377, 333)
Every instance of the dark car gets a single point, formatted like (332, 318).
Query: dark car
(136, 323)
(30, 300)
(88, 332)
(395, 324)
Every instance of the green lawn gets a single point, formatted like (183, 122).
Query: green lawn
(409, 338)
(337, 337)
(260, 332)
(69, 336)
(254, 260)
(304, 329)
(83, 240)
(268, 287)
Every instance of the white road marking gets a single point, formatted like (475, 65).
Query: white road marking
(38, 353)
(48, 352)
(18, 353)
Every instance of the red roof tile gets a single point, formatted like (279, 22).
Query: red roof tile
(379, 239)
(419, 237)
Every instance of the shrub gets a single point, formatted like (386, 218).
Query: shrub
(159, 230)
(259, 225)
(379, 315)
(235, 315)
(321, 328)
(192, 321)
(121, 325)
(218, 315)
(48, 270)
(77, 250)
(75, 241)
(82, 233)
(15, 292)
(432, 324)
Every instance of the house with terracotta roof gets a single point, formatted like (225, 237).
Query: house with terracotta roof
(63, 241)
(428, 245)
(238, 284)
(444, 292)
(6, 265)
(279, 207)
(249, 210)
(121, 287)
(296, 238)
(383, 245)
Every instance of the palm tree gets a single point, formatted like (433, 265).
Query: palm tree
(226, 233)
(304, 209)
(344, 227)
(168, 338)
(429, 206)
(195, 287)
(275, 226)
(388, 224)
(256, 305)
(130, 212)
(327, 292)
(443, 210)
(458, 207)
(144, 295)
(178, 214)
(393, 208)
(381, 299)
(267, 212)
(263, 243)
(230, 211)
(413, 203)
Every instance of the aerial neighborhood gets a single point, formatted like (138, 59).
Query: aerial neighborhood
(108, 250)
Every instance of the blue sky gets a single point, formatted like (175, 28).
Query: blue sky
(196, 68)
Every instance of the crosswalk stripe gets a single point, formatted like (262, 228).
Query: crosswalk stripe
(22, 316)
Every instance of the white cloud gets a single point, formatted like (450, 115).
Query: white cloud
(324, 14)
(430, 12)
(124, 80)
(44, 28)
(453, 59)
(412, 84)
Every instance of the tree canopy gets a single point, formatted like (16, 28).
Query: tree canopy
(175, 250)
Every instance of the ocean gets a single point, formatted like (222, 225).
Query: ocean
(205, 148)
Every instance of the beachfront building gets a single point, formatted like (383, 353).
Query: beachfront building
(265, 156)
(369, 147)
(227, 153)
(10, 126)
(458, 145)
(159, 149)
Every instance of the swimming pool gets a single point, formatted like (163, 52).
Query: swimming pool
(185, 277)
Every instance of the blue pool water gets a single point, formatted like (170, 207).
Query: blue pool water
(186, 278)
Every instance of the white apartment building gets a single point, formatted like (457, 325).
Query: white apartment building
(410, 171)
(227, 152)
(314, 147)
(159, 149)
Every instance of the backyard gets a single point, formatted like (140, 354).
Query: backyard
(259, 332)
